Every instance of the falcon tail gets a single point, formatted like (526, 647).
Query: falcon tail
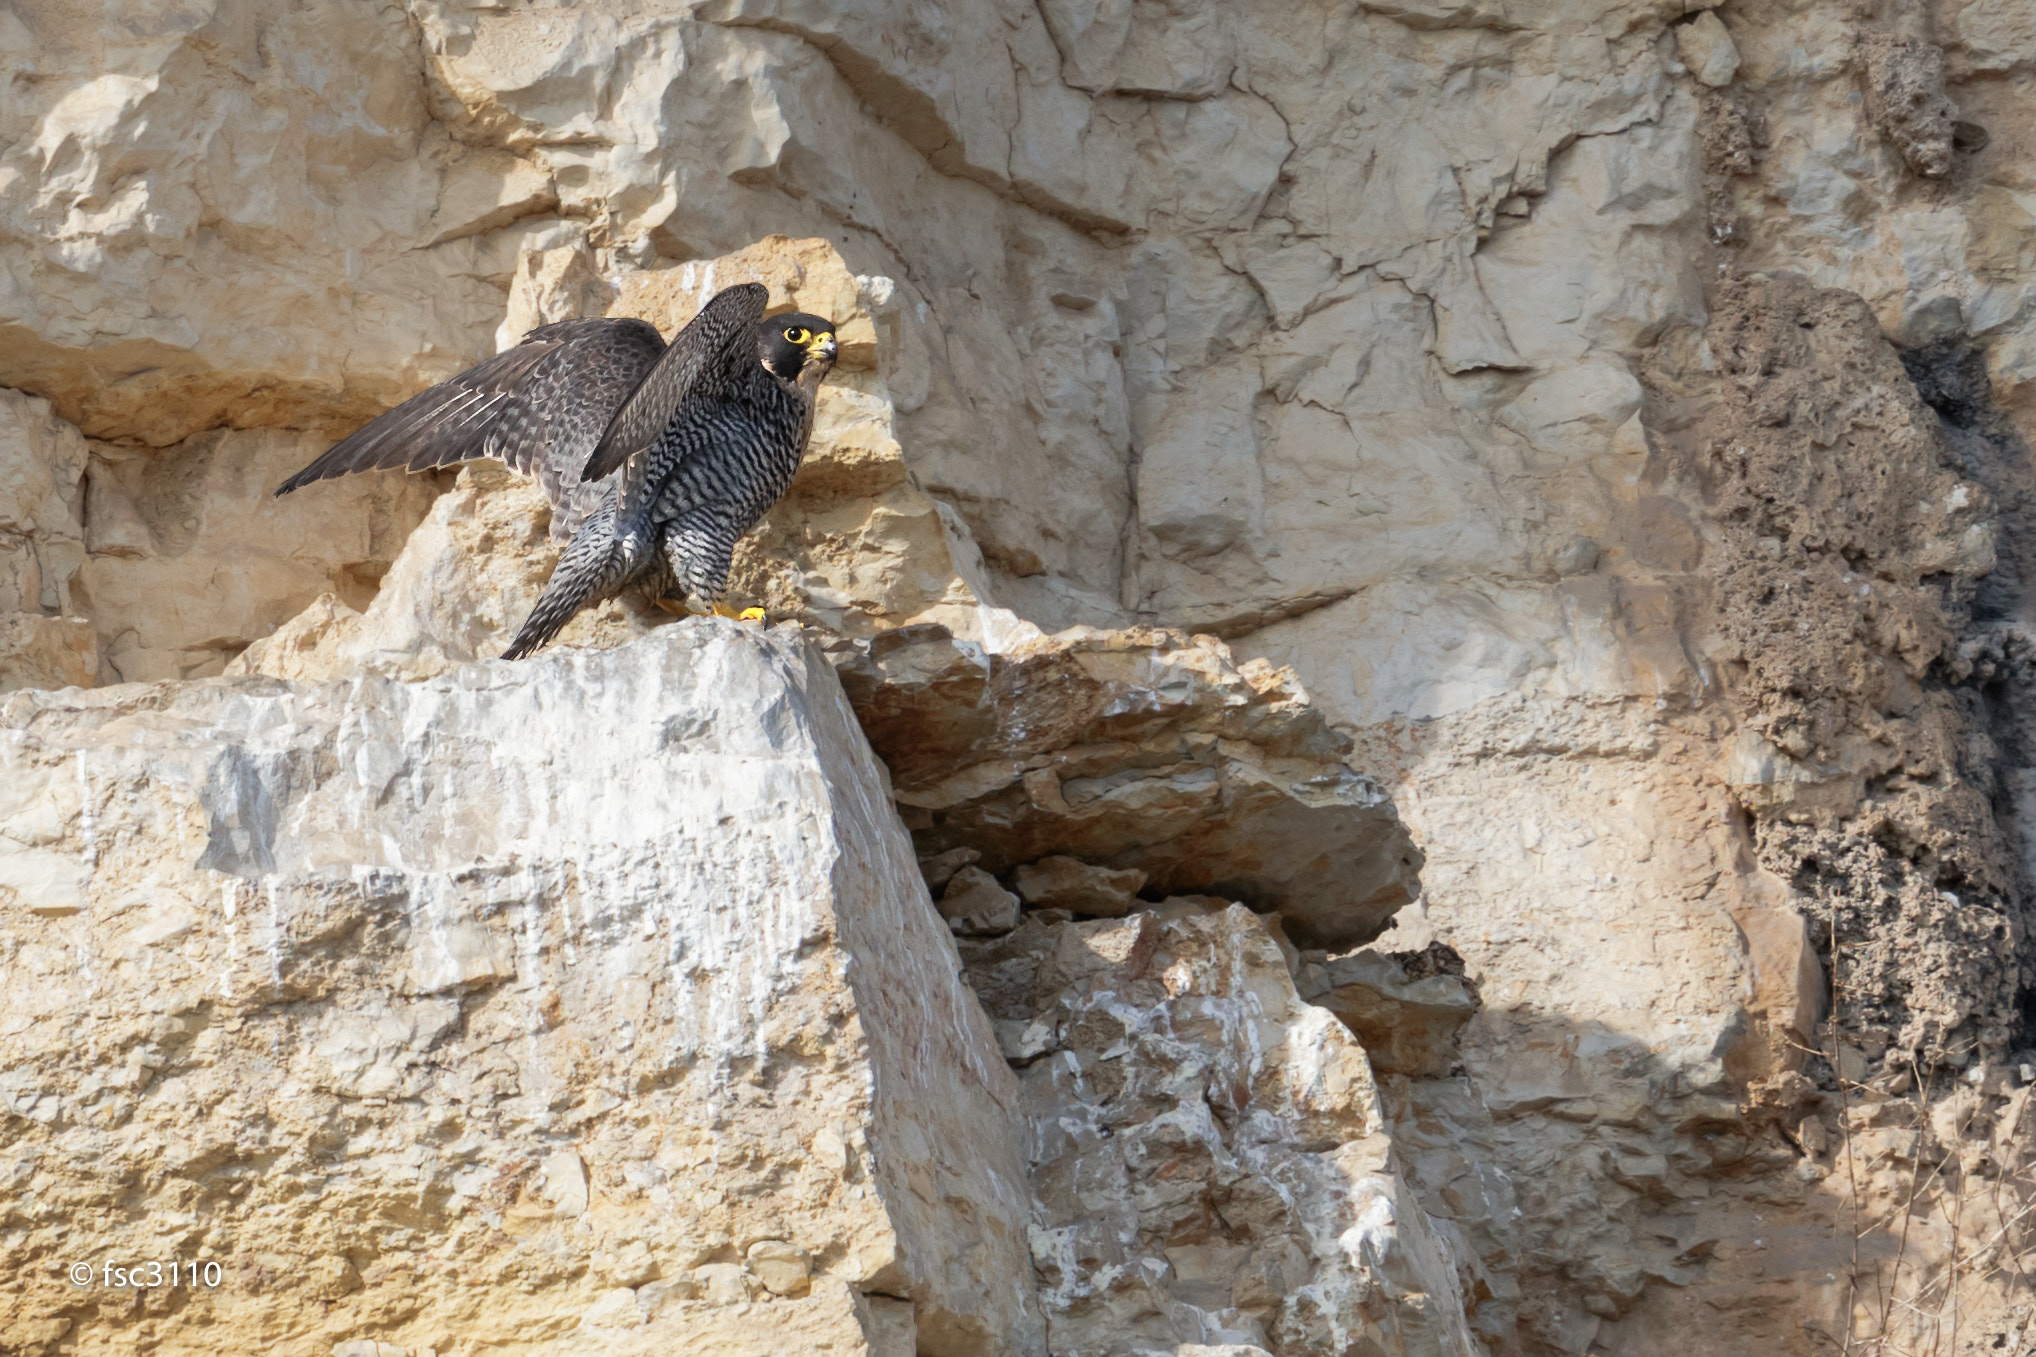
(595, 566)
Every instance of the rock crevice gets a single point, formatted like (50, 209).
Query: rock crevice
(1611, 414)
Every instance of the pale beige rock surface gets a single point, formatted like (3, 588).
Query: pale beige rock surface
(1407, 1008)
(1207, 1149)
(191, 558)
(1057, 882)
(199, 200)
(972, 902)
(42, 468)
(593, 1043)
(46, 652)
(1386, 341)
(177, 558)
(1706, 48)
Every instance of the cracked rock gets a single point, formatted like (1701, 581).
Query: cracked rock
(1165, 757)
(1071, 884)
(1408, 1025)
(975, 905)
(1707, 49)
(667, 975)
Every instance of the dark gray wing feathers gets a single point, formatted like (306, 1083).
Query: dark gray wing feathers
(716, 348)
(539, 407)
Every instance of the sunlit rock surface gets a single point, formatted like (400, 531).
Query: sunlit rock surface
(641, 1035)
(855, 546)
(1208, 1150)
(1445, 351)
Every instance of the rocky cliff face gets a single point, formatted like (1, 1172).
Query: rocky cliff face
(395, 1009)
(1599, 431)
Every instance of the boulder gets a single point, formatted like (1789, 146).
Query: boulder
(974, 903)
(1139, 751)
(1058, 882)
(1211, 1158)
(502, 986)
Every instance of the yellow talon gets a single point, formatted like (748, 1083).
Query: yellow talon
(750, 615)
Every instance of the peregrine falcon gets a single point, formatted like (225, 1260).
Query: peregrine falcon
(656, 459)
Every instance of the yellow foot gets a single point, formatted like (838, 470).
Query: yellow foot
(746, 615)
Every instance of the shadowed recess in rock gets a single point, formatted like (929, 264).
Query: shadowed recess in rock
(1142, 750)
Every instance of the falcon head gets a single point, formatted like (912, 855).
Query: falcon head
(796, 343)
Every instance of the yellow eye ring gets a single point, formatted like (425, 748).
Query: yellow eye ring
(798, 335)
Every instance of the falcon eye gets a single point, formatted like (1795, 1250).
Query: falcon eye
(798, 334)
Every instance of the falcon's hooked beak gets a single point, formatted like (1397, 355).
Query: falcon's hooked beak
(822, 345)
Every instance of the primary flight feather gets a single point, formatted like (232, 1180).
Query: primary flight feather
(656, 458)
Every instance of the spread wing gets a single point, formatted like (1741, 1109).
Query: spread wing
(710, 355)
(540, 407)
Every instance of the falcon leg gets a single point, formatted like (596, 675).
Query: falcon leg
(698, 552)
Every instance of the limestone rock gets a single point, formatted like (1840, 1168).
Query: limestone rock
(1058, 882)
(1706, 48)
(1999, 34)
(47, 652)
(708, 1006)
(179, 558)
(974, 904)
(1181, 50)
(1135, 751)
(188, 219)
(1905, 96)
(784, 1269)
(940, 868)
(1409, 1024)
(192, 558)
(42, 465)
(1208, 1149)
